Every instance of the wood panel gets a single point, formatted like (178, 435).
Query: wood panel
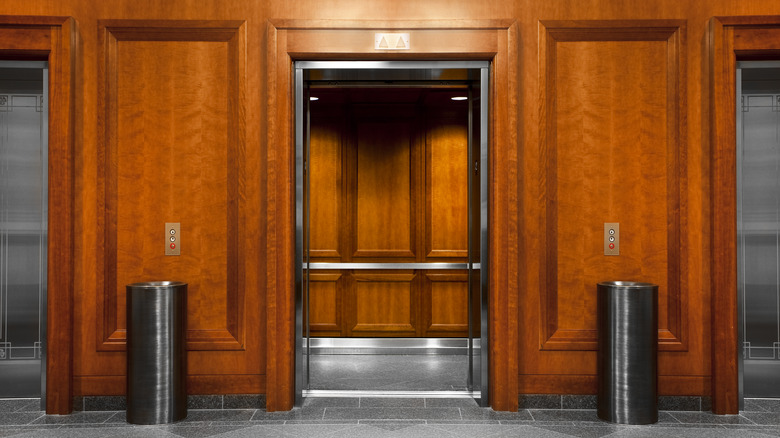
(172, 143)
(383, 304)
(446, 304)
(326, 158)
(446, 187)
(54, 39)
(613, 95)
(730, 39)
(172, 117)
(326, 292)
(384, 199)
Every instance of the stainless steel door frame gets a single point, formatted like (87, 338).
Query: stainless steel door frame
(757, 373)
(35, 367)
(478, 366)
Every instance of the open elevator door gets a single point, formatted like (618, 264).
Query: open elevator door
(473, 77)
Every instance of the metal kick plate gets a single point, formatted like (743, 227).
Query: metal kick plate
(611, 238)
(172, 238)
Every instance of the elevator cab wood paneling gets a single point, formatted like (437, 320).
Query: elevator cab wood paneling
(388, 183)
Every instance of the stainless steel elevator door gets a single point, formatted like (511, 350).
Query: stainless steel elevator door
(23, 226)
(758, 145)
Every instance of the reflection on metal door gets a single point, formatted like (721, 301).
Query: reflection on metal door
(758, 197)
(23, 226)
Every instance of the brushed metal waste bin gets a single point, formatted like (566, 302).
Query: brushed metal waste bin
(628, 352)
(156, 356)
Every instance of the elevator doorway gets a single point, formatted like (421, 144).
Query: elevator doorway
(391, 226)
(758, 226)
(23, 227)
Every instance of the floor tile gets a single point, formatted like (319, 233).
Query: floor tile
(105, 403)
(596, 431)
(475, 430)
(392, 430)
(679, 403)
(579, 402)
(331, 402)
(319, 430)
(451, 403)
(392, 402)
(764, 418)
(19, 418)
(19, 405)
(761, 431)
(709, 418)
(539, 401)
(489, 414)
(199, 415)
(391, 413)
(140, 432)
(763, 404)
(315, 413)
(239, 401)
(204, 402)
(564, 415)
(87, 432)
(388, 417)
(201, 431)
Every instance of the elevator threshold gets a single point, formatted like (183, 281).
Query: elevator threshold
(400, 346)
(322, 393)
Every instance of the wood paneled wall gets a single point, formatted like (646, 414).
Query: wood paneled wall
(603, 118)
(612, 150)
(389, 183)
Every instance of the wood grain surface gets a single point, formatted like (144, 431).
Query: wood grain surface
(697, 319)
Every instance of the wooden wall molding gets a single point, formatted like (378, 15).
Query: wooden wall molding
(587, 384)
(730, 39)
(493, 40)
(110, 336)
(199, 384)
(54, 39)
(673, 335)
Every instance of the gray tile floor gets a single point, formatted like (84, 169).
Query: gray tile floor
(389, 372)
(388, 417)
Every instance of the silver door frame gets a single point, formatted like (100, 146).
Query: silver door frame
(42, 306)
(302, 266)
(741, 311)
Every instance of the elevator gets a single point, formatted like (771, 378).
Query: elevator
(23, 227)
(391, 228)
(758, 226)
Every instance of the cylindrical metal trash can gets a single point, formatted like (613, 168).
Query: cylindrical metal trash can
(156, 355)
(628, 352)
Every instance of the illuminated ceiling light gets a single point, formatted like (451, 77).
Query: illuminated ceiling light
(314, 98)
(459, 98)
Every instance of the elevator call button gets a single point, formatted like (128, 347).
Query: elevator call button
(172, 238)
(611, 238)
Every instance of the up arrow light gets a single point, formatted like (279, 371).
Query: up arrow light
(391, 41)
